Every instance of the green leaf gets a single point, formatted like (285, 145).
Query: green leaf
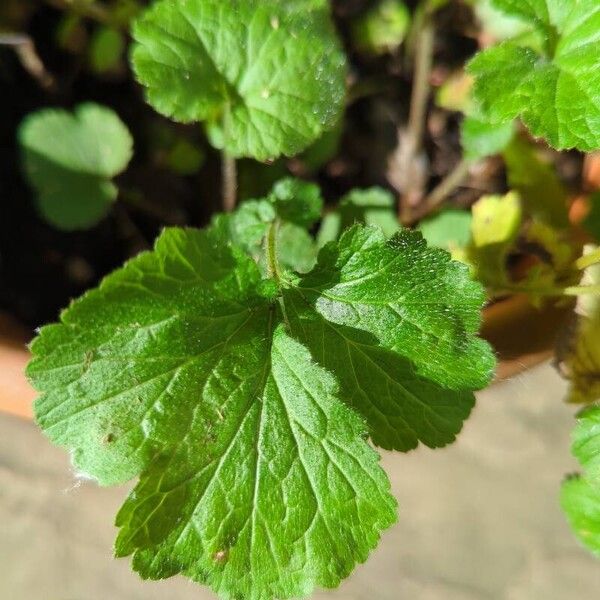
(580, 495)
(266, 77)
(228, 395)
(480, 138)
(495, 22)
(543, 195)
(581, 503)
(382, 288)
(557, 96)
(449, 229)
(373, 206)
(70, 160)
(106, 49)
(382, 28)
(586, 443)
(289, 496)
(297, 201)
(297, 205)
(544, 14)
(496, 220)
(494, 228)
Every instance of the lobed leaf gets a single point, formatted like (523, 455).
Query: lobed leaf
(266, 77)
(233, 398)
(556, 95)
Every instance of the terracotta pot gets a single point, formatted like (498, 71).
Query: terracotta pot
(16, 395)
(522, 335)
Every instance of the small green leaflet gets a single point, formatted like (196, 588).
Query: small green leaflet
(244, 403)
(70, 160)
(556, 95)
(372, 206)
(297, 205)
(267, 77)
(580, 497)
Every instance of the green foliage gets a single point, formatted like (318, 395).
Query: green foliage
(449, 229)
(554, 88)
(267, 78)
(243, 398)
(481, 138)
(295, 205)
(382, 28)
(581, 503)
(373, 206)
(70, 160)
(106, 49)
(580, 497)
(494, 228)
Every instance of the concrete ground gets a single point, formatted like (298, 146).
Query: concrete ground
(478, 521)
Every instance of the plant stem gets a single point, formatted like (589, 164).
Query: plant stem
(421, 86)
(25, 49)
(271, 251)
(229, 170)
(588, 260)
(437, 196)
(412, 169)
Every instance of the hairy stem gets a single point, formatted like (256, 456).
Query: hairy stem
(271, 251)
(588, 260)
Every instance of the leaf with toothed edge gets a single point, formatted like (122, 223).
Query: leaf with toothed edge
(245, 408)
(266, 77)
(556, 94)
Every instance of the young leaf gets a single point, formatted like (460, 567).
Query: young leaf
(382, 28)
(581, 503)
(189, 369)
(556, 95)
(495, 226)
(266, 77)
(373, 206)
(70, 160)
(297, 205)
